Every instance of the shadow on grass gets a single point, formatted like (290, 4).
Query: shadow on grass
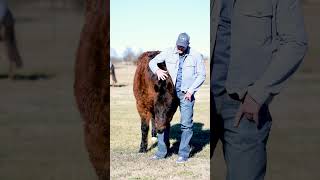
(28, 77)
(199, 139)
(118, 85)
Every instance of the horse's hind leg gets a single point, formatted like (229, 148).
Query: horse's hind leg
(5, 48)
(167, 136)
(12, 63)
(113, 74)
(144, 133)
(153, 131)
(144, 136)
(11, 49)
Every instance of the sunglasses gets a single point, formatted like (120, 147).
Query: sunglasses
(181, 48)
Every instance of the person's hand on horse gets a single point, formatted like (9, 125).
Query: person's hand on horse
(248, 108)
(161, 74)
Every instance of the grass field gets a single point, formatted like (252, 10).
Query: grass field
(41, 135)
(127, 163)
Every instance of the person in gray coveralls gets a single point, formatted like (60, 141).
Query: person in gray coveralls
(256, 45)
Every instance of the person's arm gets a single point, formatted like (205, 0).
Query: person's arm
(200, 75)
(153, 64)
(290, 53)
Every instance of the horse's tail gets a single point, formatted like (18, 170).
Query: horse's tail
(11, 42)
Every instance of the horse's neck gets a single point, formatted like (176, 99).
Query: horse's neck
(97, 6)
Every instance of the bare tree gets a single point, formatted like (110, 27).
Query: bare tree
(128, 55)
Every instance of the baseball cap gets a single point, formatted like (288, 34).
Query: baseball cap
(183, 40)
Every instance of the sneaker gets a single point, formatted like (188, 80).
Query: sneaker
(155, 157)
(181, 160)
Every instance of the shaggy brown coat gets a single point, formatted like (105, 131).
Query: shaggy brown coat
(91, 87)
(156, 100)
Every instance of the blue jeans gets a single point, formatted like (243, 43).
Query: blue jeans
(244, 147)
(186, 121)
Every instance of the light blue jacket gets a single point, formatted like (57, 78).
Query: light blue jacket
(193, 70)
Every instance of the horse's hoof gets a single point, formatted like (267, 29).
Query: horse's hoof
(142, 150)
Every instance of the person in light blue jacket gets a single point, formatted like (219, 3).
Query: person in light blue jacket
(187, 70)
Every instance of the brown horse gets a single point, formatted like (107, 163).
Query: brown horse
(156, 100)
(91, 86)
(8, 42)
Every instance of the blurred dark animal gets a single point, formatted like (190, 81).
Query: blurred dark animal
(156, 100)
(8, 42)
(113, 74)
(91, 86)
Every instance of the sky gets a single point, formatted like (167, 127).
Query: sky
(145, 25)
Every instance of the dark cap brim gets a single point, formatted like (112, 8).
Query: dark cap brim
(183, 44)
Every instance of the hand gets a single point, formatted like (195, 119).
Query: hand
(187, 96)
(250, 109)
(161, 74)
